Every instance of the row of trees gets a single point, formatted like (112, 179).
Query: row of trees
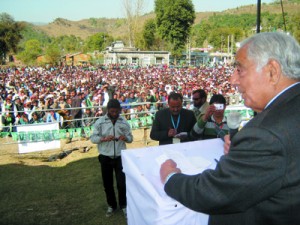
(171, 29)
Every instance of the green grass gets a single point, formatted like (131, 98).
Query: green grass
(60, 195)
(34, 191)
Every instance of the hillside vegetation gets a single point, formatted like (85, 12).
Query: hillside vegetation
(117, 27)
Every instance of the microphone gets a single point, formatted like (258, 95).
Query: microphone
(234, 120)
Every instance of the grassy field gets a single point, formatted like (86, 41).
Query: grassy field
(67, 191)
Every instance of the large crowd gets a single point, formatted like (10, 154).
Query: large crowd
(78, 95)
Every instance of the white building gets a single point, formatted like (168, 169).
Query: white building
(117, 53)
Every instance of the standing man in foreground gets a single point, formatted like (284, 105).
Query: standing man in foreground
(172, 125)
(111, 133)
(258, 181)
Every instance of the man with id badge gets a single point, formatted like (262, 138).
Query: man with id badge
(172, 125)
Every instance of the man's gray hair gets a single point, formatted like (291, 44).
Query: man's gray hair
(278, 46)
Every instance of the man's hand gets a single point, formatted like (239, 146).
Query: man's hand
(210, 110)
(108, 138)
(182, 135)
(172, 132)
(166, 168)
(122, 138)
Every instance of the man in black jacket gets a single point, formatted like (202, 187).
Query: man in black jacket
(171, 125)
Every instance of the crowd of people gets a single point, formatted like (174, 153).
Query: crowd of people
(63, 94)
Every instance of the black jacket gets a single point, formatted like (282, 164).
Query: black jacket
(162, 123)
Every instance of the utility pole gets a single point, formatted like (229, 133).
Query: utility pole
(188, 52)
(258, 16)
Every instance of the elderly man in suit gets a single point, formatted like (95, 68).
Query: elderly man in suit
(258, 181)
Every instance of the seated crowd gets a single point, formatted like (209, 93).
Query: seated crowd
(76, 97)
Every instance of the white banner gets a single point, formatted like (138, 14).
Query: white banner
(147, 202)
(37, 137)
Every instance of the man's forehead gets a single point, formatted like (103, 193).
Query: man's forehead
(175, 102)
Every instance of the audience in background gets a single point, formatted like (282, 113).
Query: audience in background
(36, 89)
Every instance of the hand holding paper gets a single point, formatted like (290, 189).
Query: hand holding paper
(181, 135)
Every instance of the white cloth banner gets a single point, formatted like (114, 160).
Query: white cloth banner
(147, 202)
(26, 146)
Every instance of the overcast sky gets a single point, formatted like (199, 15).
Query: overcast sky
(46, 11)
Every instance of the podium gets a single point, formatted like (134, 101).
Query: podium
(147, 202)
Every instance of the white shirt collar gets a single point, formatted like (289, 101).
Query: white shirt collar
(284, 90)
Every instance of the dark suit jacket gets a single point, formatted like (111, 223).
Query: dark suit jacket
(162, 123)
(258, 182)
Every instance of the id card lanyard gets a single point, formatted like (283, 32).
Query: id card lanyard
(175, 140)
(178, 121)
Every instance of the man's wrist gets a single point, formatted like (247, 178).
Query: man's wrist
(169, 176)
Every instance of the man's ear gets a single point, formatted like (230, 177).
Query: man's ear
(275, 71)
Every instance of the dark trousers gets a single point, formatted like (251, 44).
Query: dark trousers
(108, 167)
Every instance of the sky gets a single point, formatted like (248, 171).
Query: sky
(46, 11)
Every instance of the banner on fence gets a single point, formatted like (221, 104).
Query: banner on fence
(38, 137)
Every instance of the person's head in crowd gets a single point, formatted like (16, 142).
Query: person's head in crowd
(35, 116)
(69, 101)
(199, 97)
(88, 110)
(175, 101)
(265, 65)
(35, 103)
(131, 95)
(49, 99)
(27, 103)
(219, 103)
(122, 98)
(217, 99)
(61, 100)
(24, 118)
(113, 109)
(73, 93)
(115, 96)
(82, 95)
(17, 100)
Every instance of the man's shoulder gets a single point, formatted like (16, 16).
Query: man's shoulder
(163, 111)
(102, 119)
(187, 111)
(122, 119)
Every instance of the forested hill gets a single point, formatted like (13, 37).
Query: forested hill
(117, 27)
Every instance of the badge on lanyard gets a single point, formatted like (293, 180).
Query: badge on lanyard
(176, 140)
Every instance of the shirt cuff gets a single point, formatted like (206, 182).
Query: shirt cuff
(169, 176)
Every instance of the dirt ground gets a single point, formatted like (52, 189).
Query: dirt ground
(9, 150)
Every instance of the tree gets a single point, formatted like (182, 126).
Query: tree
(294, 26)
(31, 32)
(174, 19)
(53, 54)
(10, 35)
(97, 42)
(149, 33)
(132, 15)
(69, 44)
(200, 32)
(31, 52)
